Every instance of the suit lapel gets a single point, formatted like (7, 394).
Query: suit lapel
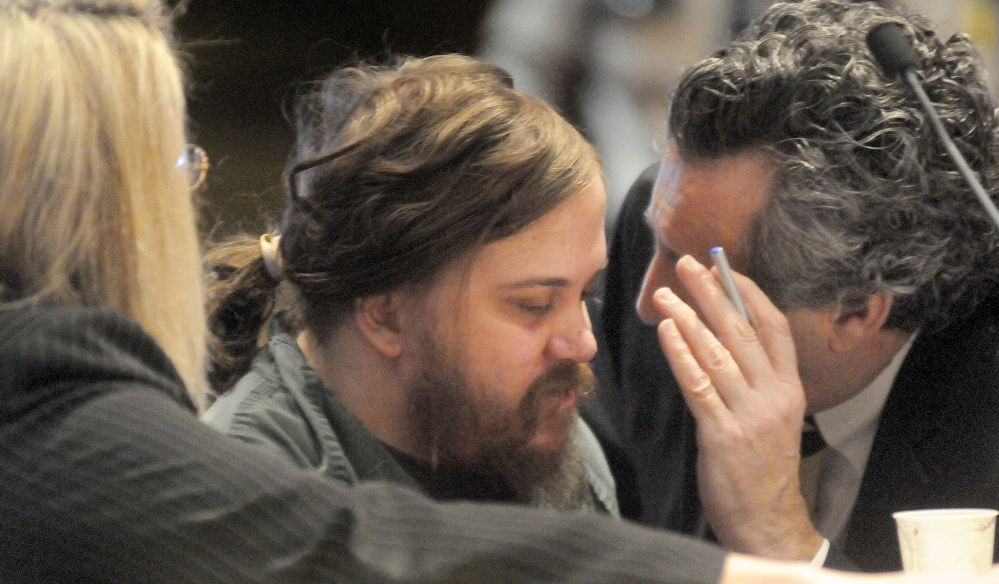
(931, 425)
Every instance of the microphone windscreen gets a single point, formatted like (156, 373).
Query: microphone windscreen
(891, 48)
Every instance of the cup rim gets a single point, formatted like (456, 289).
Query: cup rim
(958, 513)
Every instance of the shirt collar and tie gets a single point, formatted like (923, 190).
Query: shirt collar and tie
(813, 455)
(848, 430)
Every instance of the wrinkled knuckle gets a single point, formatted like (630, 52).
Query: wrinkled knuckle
(788, 409)
(732, 434)
(688, 361)
(701, 383)
(717, 357)
(779, 323)
(745, 333)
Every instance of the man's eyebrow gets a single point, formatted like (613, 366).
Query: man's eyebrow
(538, 282)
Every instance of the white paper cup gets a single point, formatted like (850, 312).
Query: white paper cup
(932, 540)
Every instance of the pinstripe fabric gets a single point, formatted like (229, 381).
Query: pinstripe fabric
(106, 476)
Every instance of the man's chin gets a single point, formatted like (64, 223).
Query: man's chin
(550, 438)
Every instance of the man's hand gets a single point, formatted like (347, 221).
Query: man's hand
(744, 391)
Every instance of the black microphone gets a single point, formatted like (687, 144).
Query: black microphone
(894, 52)
(891, 48)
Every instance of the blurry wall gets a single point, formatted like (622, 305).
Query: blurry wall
(610, 65)
(246, 58)
(978, 18)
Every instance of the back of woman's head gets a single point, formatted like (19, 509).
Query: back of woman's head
(399, 171)
(91, 126)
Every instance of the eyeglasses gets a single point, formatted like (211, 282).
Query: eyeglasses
(194, 161)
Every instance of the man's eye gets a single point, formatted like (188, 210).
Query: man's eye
(536, 309)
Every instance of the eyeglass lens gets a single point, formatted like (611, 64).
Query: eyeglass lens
(194, 161)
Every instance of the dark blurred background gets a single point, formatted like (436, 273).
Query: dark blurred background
(609, 65)
(247, 57)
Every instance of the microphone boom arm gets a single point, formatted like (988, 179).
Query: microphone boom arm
(909, 74)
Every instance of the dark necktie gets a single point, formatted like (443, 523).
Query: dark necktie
(811, 438)
(813, 451)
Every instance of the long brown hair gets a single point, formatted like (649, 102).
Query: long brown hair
(410, 167)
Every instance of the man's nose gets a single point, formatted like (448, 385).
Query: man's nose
(576, 341)
(655, 278)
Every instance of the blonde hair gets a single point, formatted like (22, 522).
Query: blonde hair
(94, 211)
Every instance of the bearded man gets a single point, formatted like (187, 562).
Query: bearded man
(442, 234)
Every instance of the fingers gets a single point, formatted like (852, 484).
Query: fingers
(734, 331)
(739, 362)
(772, 328)
(701, 396)
(710, 357)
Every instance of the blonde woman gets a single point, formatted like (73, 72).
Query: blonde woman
(105, 473)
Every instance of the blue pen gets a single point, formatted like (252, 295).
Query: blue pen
(728, 282)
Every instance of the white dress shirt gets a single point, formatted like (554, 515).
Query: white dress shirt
(849, 430)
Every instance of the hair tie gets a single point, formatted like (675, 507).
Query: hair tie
(269, 253)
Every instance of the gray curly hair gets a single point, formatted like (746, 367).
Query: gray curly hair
(866, 200)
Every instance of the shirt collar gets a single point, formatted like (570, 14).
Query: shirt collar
(849, 427)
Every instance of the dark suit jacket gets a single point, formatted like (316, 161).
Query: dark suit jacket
(107, 476)
(937, 443)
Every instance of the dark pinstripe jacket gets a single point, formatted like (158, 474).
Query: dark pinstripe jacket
(107, 476)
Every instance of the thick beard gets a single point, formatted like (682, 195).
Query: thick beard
(468, 431)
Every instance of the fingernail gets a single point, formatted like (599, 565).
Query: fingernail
(666, 295)
(690, 263)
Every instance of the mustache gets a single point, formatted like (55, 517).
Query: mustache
(563, 379)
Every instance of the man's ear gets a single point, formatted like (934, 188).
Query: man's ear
(377, 317)
(853, 328)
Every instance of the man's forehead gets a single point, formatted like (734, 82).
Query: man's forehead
(563, 247)
(713, 198)
(667, 179)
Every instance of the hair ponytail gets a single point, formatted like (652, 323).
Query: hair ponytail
(241, 297)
